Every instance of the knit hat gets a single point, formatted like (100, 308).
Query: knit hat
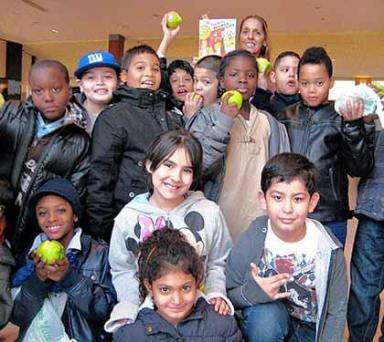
(96, 59)
(60, 187)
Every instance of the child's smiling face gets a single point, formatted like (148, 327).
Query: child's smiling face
(174, 295)
(98, 84)
(241, 75)
(171, 180)
(143, 72)
(288, 205)
(56, 218)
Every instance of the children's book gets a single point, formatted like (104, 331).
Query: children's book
(216, 36)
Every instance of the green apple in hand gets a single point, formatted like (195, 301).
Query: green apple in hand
(263, 65)
(234, 97)
(50, 251)
(173, 20)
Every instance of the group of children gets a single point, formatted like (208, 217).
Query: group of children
(152, 163)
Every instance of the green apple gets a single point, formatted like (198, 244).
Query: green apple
(263, 65)
(195, 95)
(234, 97)
(173, 20)
(50, 251)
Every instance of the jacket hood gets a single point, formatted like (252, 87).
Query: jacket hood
(141, 204)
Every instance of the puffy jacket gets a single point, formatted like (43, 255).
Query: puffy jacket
(6, 264)
(337, 148)
(121, 136)
(66, 156)
(91, 295)
(203, 324)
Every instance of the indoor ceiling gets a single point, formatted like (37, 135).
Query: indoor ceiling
(28, 21)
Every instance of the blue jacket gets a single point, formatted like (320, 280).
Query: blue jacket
(203, 324)
(370, 199)
(91, 295)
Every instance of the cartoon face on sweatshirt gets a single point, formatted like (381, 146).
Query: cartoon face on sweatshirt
(145, 226)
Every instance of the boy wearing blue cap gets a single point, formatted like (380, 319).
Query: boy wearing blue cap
(71, 298)
(97, 73)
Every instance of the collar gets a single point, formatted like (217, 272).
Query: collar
(75, 242)
(140, 97)
(154, 323)
(44, 128)
(287, 99)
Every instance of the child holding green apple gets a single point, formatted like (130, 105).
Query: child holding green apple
(69, 298)
(237, 142)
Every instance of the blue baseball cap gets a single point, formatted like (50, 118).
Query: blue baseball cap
(96, 59)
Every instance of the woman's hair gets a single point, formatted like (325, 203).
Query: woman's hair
(166, 144)
(166, 250)
(265, 51)
(232, 55)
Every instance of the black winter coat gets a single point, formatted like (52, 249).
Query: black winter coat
(120, 139)
(91, 295)
(203, 324)
(66, 156)
(336, 147)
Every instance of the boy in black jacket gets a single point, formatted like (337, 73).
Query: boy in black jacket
(121, 136)
(337, 144)
(42, 139)
(284, 77)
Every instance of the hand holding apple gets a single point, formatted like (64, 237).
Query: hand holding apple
(40, 269)
(263, 65)
(192, 103)
(50, 251)
(173, 20)
(231, 103)
(233, 97)
(58, 270)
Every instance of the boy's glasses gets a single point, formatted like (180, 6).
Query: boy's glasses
(2, 210)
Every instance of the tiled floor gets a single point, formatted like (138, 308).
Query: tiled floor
(10, 332)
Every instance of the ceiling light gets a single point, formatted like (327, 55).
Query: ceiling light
(54, 31)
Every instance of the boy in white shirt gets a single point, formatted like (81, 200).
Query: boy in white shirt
(287, 273)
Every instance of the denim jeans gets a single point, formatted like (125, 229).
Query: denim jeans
(271, 322)
(367, 280)
(339, 229)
